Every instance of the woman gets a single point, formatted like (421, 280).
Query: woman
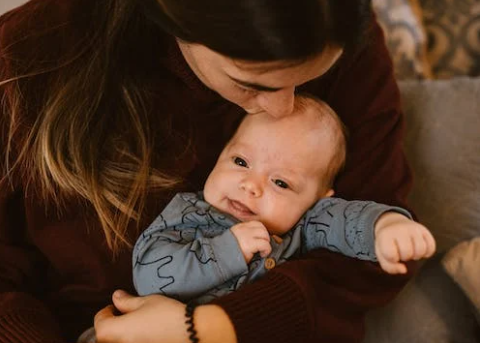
(111, 107)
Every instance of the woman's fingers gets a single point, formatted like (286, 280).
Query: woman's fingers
(125, 302)
(107, 326)
(149, 319)
(105, 313)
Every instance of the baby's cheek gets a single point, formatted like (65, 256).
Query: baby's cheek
(280, 226)
(210, 193)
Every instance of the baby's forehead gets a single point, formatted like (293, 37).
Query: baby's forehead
(307, 117)
(286, 141)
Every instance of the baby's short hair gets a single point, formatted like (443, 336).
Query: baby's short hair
(332, 122)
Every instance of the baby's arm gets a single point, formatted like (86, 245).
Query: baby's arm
(186, 254)
(343, 226)
(397, 238)
(185, 269)
(366, 230)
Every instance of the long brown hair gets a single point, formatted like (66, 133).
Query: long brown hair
(93, 135)
(265, 30)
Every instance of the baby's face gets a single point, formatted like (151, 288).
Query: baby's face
(271, 171)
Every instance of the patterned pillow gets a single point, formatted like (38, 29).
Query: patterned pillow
(405, 37)
(453, 28)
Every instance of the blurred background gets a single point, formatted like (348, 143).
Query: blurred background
(6, 5)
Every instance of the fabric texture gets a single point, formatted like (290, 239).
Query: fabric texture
(443, 144)
(453, 28)
(406, 37)
(59, 263)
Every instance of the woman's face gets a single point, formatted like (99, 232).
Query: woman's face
(256, 86)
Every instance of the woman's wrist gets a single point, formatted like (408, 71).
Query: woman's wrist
(213, 325)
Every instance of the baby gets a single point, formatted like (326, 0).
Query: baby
(268, 199)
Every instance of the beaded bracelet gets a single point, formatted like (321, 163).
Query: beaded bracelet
(189, 309)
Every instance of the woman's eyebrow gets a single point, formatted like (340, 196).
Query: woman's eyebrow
(255, 86)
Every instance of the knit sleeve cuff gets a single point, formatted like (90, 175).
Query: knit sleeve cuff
(23, 319)
(251, 311)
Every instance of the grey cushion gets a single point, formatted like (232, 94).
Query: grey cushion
(443, 146)
(431, 309)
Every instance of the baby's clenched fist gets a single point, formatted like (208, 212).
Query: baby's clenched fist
(252, 237)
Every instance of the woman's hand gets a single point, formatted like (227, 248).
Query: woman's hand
(150, 319)
(158, 319)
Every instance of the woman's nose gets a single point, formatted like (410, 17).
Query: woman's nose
(278, 104)
(251, 186)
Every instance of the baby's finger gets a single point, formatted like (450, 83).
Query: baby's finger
(399, 268)
(263, 247)
(419, 246)
(406, 248)
(387, 250)
(430, 243)
(392, 268)
(261, 232)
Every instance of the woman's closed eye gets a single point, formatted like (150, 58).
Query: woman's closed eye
(240, 162)
(246, 90)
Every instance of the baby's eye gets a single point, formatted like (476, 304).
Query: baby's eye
(240, 162)
(281, 183)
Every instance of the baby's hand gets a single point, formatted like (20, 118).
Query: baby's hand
(252, 237)
(398, 238)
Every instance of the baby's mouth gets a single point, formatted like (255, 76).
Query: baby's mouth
(239, 209)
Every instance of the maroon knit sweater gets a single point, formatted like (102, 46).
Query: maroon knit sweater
(55, 268)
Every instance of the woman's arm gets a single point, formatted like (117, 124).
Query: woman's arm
(337, 310)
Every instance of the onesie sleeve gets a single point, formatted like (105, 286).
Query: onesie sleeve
(344, 226)
(186, 251)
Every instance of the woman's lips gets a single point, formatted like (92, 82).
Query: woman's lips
(238, 209)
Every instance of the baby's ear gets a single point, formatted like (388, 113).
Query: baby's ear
(329, 193)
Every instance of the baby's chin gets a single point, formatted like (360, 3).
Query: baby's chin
(279, 230)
